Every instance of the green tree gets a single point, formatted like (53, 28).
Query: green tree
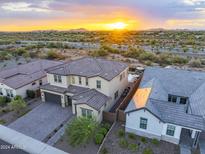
(18, 104)
(81, 130)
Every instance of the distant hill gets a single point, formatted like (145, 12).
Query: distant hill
(79, 30)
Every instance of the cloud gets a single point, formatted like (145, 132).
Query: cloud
(147, 13)
(24, 7)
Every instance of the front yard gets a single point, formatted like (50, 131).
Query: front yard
(119, 142)
(83, 135)
(7, 115)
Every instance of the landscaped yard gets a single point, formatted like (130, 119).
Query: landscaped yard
(7, 115)
(83, 135)
(119, 142)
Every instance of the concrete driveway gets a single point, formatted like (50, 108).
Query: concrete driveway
(42, 120)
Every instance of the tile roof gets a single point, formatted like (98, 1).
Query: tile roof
(71, 89)
(92, 98)
(27, 73)
(162, 82)
(90, 67)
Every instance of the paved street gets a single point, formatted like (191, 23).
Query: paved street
(42, 120)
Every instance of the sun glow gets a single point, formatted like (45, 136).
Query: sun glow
(117, 25)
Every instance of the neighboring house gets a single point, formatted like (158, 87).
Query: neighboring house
(168, 105)
(90, 85)
(30, 76)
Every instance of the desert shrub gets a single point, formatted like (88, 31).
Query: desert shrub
(3, 101)
(147, 151)
(132, 136)
(195, 63)
(106, 126)
(18, 104)
(99, 53)
(99, 138)
(54, 55)
(121, 133)
(155, 141)
(147, 56)
(133, 147)
(2, 121)
(123, 143)
(143, 139)
(30, 93)
(102, 131)
(81, 130)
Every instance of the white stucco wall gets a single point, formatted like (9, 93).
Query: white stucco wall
(22, 90)
(155, 128)
(154, 125)
(173, 139)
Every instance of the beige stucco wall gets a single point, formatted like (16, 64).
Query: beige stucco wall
(50, 78)
(97, 115)
(63, 97)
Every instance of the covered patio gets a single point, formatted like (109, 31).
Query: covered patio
(189, 138)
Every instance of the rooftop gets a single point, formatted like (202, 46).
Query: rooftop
(158, 83)
(90, 67)
(26, 73)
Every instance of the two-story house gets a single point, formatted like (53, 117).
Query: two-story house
(90, 85)
(168, 105)
(30, 76)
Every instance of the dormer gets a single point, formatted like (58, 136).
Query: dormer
(177, 99)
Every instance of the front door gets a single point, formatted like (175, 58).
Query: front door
(196, 139)
(69, 100)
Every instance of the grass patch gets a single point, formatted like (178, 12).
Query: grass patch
(143, 139)
(133, 147)
(121, 133)
(147, 151)
(155, 141)
(132, 136)
(123, 143)
(2, 122)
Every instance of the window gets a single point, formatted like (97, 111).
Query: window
(80, 80)
(183, 100)
(121, 77)
(86, 112)
(40, 82)
(172, 98)
(170, 130)
(98, 82)
(143, 123)
(9, 93)
(116, 94)
(73, 79)
(1, 91)
(33, 83)
(57, 78)
(86, 81)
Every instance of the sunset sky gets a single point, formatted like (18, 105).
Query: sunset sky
(26, 15)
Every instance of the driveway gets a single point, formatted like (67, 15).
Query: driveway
(42, 120)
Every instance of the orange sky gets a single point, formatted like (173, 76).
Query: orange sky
(28, 15)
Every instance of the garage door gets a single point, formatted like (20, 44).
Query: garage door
(52, 98)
